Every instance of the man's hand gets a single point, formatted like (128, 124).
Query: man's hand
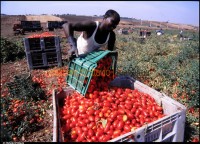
(72, 42)
(72, 51)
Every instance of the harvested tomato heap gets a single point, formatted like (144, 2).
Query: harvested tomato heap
(102, 75)
(107, 114)
(44, 34)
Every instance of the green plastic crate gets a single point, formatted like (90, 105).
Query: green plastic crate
(81, 69)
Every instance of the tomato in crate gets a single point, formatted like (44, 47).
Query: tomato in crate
(141, 114)
(92, 70)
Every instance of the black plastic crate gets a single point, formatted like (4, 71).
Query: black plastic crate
(44, 59)
(51, 43)
(41, 44)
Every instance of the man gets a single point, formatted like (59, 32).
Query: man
(181, 34)
(94, 34)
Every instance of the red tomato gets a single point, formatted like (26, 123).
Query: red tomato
(97, 118)
(76, 114)
(111, 127)
(99, 132)
(137, 112)
(74, 136)
(107, 128)
(145, 113)
(142, 121)
(120, 117)
(133, 121)
(83, 116)
(107, 104)
(82, 111)
(159, 108)
(106, 138)
(127, 128)
(90, 111)
(96, 112)
(195, 140)
(116, 133)
(105, 109)
(110, 132)
(91, 125)
(101, 138)
(101, 114)
(81, 123)
(133, 110)
(84, 128)
(115, 123)
(156, 113)
(86, 121)
(78, 130)
(81, 137)
(121, 111)
(153, 108)
(113, 115)
(106, 115)
(147, 120)
(71, 125)
(120, 125)
(151, 113)
(94, 139)
(117, 101)
(109, 99)
(129, 114)
(90, 133)
(91, 118)
(119, 91)
(128, 106)
(127, 122)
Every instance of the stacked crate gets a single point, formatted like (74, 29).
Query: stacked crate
(43, 52)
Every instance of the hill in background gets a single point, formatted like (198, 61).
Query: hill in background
(7, 22)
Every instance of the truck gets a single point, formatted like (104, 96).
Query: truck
(31, 25)
(145, 33)
(24, 26)
(17, 29)
(51, 25)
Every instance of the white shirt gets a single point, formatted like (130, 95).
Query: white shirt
(85, 46)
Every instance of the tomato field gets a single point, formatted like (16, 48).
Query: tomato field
(168, 65)
(164, 63)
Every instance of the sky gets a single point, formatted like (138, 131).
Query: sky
(180, 12)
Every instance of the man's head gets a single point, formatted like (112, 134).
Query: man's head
(111, 19)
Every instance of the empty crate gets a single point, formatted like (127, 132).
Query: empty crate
(41, 44)
(44, 59)
(42, 52)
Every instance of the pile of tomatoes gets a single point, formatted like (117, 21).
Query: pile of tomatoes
(44, 34)
(51, 79)
(105, 113)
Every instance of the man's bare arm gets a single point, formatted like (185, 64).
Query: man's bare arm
(111, 41)
(69, 28)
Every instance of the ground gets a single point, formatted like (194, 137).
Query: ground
(8, 70)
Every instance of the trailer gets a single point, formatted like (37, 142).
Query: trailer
(51, 25)
(29, 26)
